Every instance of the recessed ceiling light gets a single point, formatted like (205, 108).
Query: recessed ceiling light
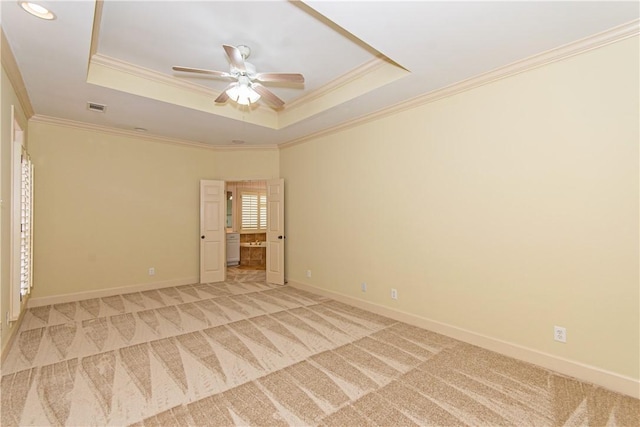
(37, 10)
(237, 141)
(140, 129)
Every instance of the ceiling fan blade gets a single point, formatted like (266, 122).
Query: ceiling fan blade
(224, 97)
(201, 71)
(235, 57)
(267, 95)
(280, 77)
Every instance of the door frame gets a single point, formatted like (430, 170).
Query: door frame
(236, 212)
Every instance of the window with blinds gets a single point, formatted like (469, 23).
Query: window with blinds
(21, 237)
(253, 211)
(26, 237)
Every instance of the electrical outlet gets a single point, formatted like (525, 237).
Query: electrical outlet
(560, 334)
(308, 273)
(364, 287)
(394, 294)
(152, 271)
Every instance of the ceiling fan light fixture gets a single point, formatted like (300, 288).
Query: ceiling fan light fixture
(242, 93)
(37, 10)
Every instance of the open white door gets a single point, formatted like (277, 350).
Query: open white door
(212, 231)
(275, 231)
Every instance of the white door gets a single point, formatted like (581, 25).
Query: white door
(212, 231)
(275, 231)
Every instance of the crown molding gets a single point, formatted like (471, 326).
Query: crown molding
(155, 76)
(339, 82)
(361, 80)
(145, 73)
(366, 69)
(13, 73)
(38, 118)
(560, 53)
(120, 75)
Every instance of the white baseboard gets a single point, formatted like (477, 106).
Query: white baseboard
(12, 335)
(607, 379)
(99, 293)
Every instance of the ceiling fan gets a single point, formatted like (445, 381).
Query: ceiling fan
(246, 90)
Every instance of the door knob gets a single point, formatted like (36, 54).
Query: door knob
(202, 237)
(281, 237)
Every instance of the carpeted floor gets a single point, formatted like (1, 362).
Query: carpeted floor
(246, 353)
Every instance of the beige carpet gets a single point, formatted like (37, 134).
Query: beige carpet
(247, 353)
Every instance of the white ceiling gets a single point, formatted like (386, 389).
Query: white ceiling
(357, 57)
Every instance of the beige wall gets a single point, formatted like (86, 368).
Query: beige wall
(108, 207)
(504, 210)
(9, 98)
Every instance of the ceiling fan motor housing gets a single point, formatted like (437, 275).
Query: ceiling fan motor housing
(249, 71)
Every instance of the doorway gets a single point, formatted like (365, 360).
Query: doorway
(254, 210)
(247, 207)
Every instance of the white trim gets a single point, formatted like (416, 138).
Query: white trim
(339, 82)
(39, 118)
(152, 75)
(560, 53)
(178, 83)
(592, 374)
(16, 303)
(99, 293)
(13, 327)
(13, 73)
(95, 28)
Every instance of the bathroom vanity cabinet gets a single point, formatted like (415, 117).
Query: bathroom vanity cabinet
(233, 248)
